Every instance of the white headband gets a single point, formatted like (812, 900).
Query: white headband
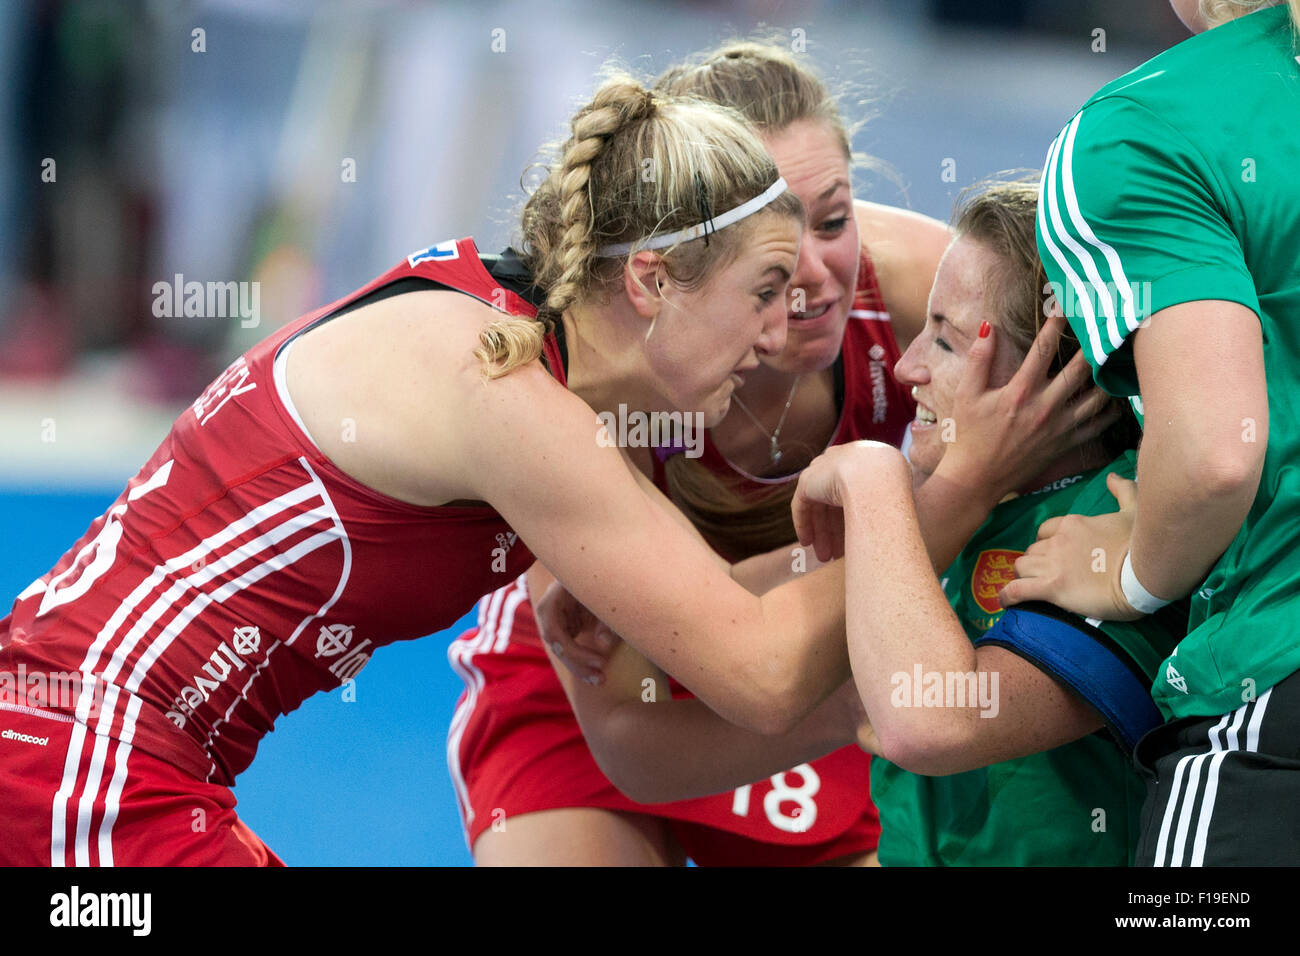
(707, 227)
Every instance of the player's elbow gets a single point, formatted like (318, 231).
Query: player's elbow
(1228, 472)
(618, 759)
(928, 748)
(777, 703)
(638, 777)
(633, 784)
(1211, 459)
(768, 712)
(777, 721)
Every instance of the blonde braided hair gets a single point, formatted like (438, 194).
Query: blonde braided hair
(638, 163)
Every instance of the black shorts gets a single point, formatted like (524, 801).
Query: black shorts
(1225, 791)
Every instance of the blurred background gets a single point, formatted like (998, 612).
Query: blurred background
(307, 147)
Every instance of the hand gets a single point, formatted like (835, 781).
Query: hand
(819, 497)
(1075, 563)
(867, 739)
(845, 719)
(573, 634)
(860, 729)
(1004, 437)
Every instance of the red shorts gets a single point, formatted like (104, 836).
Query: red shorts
(515, 747)
(115, 805)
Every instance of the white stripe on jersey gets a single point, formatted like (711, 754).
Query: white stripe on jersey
(1046, 195)
(464, 708)
(508, 619)
(1108, 252)
(869, 314)
(1167, 820)
(156, 480)
(113, 800)
(206, 575)
(1060, 173)
(1055, 175)
(59, 810)
(33, 589)
(196, 578)
(344, 575)
(94, 777)
(495, 609)
(186, 560)
(1212, 787)
(460, 655)
(1193, 787)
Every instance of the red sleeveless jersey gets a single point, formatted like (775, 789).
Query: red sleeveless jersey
(240, 572)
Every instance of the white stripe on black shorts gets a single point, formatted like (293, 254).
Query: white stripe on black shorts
(1225, 791)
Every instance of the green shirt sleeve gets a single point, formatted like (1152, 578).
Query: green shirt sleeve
(1131, 221)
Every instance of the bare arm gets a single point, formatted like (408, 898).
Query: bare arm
(656, 749)
(763, 572)
(1205, 401)
(528, 447)
(893, 631)
(1004, 439)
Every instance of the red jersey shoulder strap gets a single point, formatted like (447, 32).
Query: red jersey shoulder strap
(454, 264)
(875, 406)
(868, 301)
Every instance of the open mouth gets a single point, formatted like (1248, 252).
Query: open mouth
(925, 416)
(810, 314)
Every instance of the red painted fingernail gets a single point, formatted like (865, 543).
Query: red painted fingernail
(985, 329)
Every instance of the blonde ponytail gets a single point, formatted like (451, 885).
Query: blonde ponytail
(509, 342)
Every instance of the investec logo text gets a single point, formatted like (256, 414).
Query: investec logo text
(217, 670)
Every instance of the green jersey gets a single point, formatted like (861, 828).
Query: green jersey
(1177, 183)
(1074, 805)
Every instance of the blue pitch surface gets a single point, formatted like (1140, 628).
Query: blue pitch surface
(337, 783)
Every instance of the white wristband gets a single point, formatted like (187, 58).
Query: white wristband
(1136, 595)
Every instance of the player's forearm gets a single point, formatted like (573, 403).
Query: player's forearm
(679, 749)
(901, 630)
(950, 507)
(656, 749)
(802, 657)
(762, 572)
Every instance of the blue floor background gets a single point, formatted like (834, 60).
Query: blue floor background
(336, 783)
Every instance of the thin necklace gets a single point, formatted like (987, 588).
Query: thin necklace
(773, 436)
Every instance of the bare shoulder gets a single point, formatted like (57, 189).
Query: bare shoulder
(877, 221)
(897, 237)
(905, 248)
(394, 395)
